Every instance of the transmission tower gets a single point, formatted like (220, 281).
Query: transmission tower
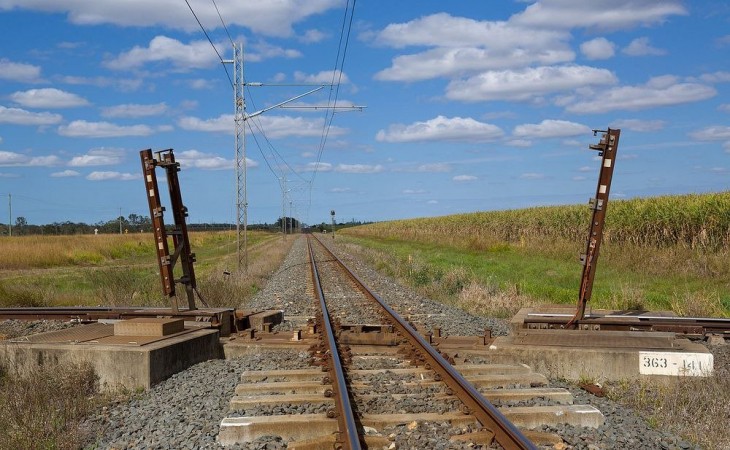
(241, 194)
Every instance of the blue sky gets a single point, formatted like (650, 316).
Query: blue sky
(471, 105)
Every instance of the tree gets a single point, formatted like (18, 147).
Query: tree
(20, 222)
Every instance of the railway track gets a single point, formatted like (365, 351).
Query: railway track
(363, 396)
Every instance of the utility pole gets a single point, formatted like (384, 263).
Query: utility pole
(120, 220)
(283, 207)
(240, 118)
(291, 224)
(10, 215)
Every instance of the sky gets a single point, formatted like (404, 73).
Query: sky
(466, 106)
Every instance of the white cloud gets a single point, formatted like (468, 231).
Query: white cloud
(196, 55)
(641, 47)
(598, 48)
(102, 156)
(432, 202)
(726, 146)
(359, 168)
(532, 176)
(527, 83)
(462, 178)
(519, 143)
(597, 14)
(134, 110)
(455, 129)
(723, 41)
(725, 107)
(658, 91)
(313, 36)
(339, 190)
(323, 77)
(586, 169)
(105, 176)
(122, 84)
(65, 174)
(82, 128)
(274, 126)
(550, 129)
(263, 50)
(314, 166)
(434, 168)
(713, 133)
(639, 125)
(414, 191)
(462, 45)
(207, 161)
(715, 77)
(308, 155)
(19, 116)
(578, 178)
(12, 159)
(24, 73)
(48, 98)
(9, 175)
(200, 83)
(267, 18)
(1, 140)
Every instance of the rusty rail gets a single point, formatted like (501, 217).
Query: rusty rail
(348, 435)
(505, 433)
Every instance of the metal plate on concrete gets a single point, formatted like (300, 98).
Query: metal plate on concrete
(592, 339)
(96, 333)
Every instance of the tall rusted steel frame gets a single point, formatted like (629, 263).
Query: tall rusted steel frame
(179, 233)
(607, 148)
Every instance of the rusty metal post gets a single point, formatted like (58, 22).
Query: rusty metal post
(158, 224)
(180, 233)
(607, 148)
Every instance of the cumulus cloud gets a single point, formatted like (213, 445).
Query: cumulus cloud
(639, 125)
(134, 110)
(358, 168)
(106, 176)
(713, 133)
(65, 174)
(208, 161)
(262, 50)
(17, 116)
(195, 55)
(455, 129)
(658, 91)
(598, 48)
(82, 128)
(532, 176)
(461, 178)
(597, 14)
(121, 84)
(12, 159)
(275, 126)
(313, 36)
(550, 129)
(414, 191)
(527, 83)
(20, 72)
(265, 18)
(102, 156)
(642, 47)
(323, 77)
(48, 98)
(339, 190)
(434, 167)
(316, 167)
(725, 107)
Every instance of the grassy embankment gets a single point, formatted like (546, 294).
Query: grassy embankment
(121, 270)
(659, 253)
(45, 409)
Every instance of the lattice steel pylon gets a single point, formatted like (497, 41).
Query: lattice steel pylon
(240, 131)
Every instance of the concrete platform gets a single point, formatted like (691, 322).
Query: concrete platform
(597, 355)
(131, 362)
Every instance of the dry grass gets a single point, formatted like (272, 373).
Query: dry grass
(492, 301)
(697, 408)
(45, 409)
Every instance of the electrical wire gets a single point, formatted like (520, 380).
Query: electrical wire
(211, 42)
(222, 22)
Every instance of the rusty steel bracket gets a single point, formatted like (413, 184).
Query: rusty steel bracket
(179, 233)
(607, 148)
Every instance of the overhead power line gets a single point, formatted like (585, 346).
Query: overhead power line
(209, 40)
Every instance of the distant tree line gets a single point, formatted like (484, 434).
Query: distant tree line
(135, 223)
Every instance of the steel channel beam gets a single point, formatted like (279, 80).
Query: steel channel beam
(345, 417)
(618, 322)
(505, 432)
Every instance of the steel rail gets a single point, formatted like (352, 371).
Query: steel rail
(505, 432)
(345, 418)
